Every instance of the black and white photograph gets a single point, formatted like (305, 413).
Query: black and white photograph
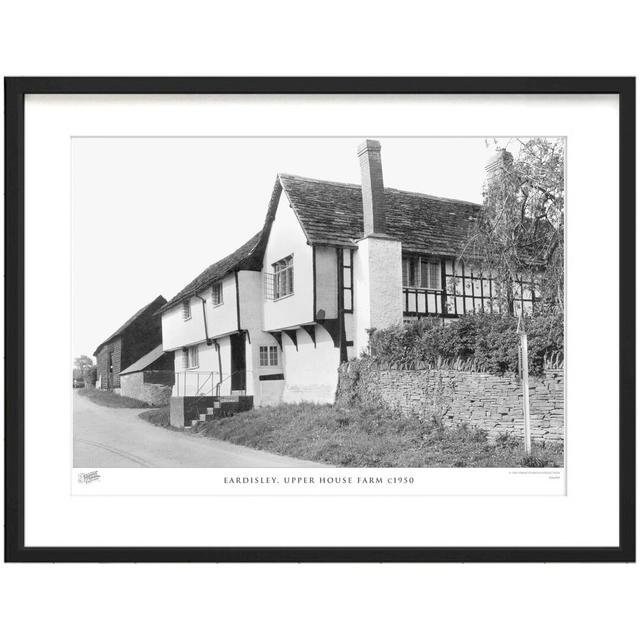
(320, 320)
(361, 302)
(365, 316)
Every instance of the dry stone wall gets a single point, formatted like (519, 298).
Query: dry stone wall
(483, 400)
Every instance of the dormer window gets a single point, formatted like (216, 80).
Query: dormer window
(186, 310)
(216, 294)
(283, 278)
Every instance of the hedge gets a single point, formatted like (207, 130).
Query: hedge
(484, 342)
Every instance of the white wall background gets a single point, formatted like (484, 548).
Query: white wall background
(373, 601)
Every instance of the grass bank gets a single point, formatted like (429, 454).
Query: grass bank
(366, 437)
(159, 417)
(110, 399)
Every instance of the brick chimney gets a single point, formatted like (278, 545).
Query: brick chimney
(372, 188)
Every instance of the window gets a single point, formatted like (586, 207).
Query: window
(283, 278)
(186, 310)
(345, 261)
(430, 274)
(421, 273)
(216, 293)
(191, 358)
(269, 356)
(408, 272)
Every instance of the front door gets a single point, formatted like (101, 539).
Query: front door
(238, 362)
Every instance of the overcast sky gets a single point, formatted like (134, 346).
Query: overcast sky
(149, 214)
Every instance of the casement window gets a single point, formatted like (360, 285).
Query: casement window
(421, 273)
(216, 294)
(283, 278)
(186, 310)
(269, 356)
(190, 358)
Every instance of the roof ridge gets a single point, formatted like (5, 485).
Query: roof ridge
(228, 255)
(394, 189)
(202, 280)
(319, 180)
(255, 236)
(432, 197)
(160, 299)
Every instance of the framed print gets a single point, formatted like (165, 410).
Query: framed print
(320, 319)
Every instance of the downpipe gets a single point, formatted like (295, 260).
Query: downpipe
(204, 318)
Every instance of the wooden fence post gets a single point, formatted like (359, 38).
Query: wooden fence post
(524, 351)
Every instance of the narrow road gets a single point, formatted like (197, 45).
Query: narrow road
(106, 437)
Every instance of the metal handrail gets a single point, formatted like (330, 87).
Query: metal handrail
(209, 375)
(194, 374)
(229, 376)
(208, 378)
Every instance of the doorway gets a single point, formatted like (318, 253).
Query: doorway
(238, 362)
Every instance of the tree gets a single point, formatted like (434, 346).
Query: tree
(85, 369)
(83, 363)
(521, 228)
(90, 376)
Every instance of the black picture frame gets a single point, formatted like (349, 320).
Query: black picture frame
(15, 91)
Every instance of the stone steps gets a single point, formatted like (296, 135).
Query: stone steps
(223, 407)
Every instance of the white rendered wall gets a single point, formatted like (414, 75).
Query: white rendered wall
(377, 275)
(221, 319)
(207, 373)
(327, 282)
(251, 300)
(264, 392)
(310, 373)
(269, 393)
(287, 238)
(250, 287)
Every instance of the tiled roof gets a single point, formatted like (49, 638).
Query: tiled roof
(146, 360)
(218, 270)
(157, 303)
(247, 258)
(331, 213)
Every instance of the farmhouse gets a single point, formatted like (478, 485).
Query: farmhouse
(137, 336)
(272, 322)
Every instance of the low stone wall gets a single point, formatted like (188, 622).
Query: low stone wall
(490, 402)
(133, 385)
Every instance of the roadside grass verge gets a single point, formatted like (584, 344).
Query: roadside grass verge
(159, 417)
(110, 399)
(360, 436)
